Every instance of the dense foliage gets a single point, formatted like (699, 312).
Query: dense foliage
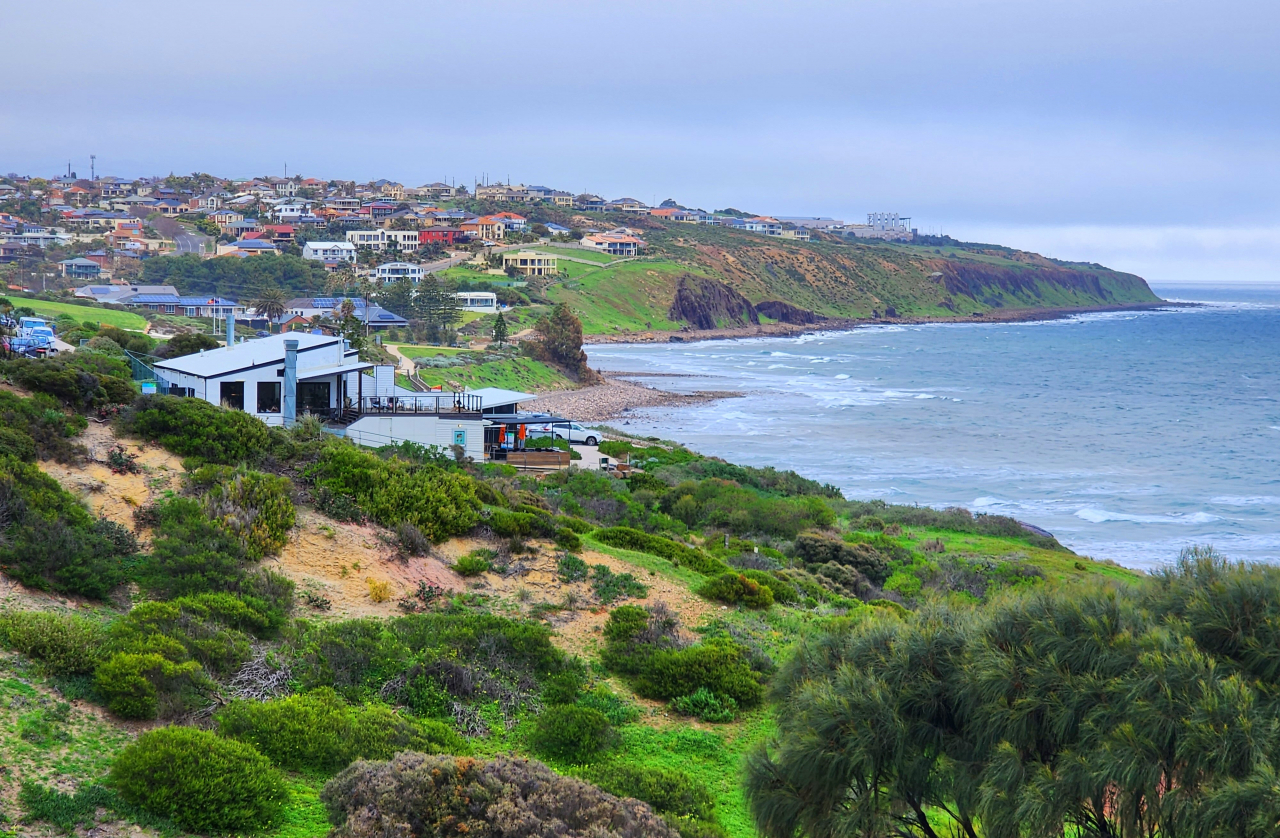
(1098, 711)
(446, 797)
(201, 782)
(236, 278)
(195, 428)
(79, 380)
(256, 508)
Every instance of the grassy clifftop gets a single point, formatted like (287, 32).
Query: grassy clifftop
(937, 278)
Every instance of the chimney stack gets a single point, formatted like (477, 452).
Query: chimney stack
(231, 328)
(289, 401)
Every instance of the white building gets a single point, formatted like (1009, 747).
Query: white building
(396, 271)
(485, 302)
(379, 240)
(282, 377)
(330, 252)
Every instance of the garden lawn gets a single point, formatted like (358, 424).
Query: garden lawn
(409, 350)
(590, 255)
(119, 319)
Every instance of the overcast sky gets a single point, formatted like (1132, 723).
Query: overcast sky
(1138, 134)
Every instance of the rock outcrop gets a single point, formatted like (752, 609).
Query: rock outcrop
(706, 303)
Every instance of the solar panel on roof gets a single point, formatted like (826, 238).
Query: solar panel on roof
(386, 317)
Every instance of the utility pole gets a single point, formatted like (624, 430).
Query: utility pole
(93, 167)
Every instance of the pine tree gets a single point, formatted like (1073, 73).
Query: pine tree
(500, 330)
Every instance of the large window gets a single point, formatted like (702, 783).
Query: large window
(231, 394)
(313, 396)
(268, 396)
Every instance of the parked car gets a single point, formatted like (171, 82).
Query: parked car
(571, 431)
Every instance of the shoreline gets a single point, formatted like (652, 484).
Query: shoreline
(844, 324)
(617, 396)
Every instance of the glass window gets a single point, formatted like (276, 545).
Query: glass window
(231, 394)
(268, 396)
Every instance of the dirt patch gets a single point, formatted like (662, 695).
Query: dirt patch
(111, 495)
(336, 560)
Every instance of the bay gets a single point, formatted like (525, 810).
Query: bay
(1129, 435)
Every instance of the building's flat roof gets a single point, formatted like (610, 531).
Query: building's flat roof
(225, 359)
(340, 369)
(497, 396)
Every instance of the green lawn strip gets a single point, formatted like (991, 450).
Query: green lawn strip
(648, 561)
(590, 255)
(403, 381)
(119, 319)
(515, 374)
(411, 351)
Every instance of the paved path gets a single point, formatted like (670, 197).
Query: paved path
(186, 241)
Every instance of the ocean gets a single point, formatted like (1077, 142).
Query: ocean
(1129, 435)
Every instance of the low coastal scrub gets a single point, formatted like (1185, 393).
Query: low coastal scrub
(195, 428)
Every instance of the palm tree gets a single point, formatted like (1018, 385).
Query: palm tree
(269, 303)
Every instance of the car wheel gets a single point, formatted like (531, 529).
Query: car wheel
(591, 440)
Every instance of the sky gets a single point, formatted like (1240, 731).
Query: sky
(1141, 135)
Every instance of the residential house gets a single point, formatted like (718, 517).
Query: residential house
(405, 241)
(140, 205)
(675, 214)
(225, 217)
(558, 230)
(117, 293)
(373, 316)
(284, 187)
(512, 222)
(171, 207)
(630, 205)
(344, 203)
(440, 235)
(589, 202)
(529, 263)
(763, 224)
(485, 302)
(279, 233)
(241, 227)
(376, 209)
(333, 254)
(210, 200)
(187, 306)
(79, 268)
(248, 247)
(437, 190)
(503, 193)
(486, 228)
(393, 190)
(614, 243)
(389, 272)
(811, 222)
(282, 377)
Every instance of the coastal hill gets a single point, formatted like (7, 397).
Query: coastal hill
(767, 280)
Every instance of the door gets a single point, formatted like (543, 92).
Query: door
(314, 396)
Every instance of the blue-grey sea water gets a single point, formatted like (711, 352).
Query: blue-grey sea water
(1128, 435)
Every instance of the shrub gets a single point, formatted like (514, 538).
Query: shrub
(379, 590)
(147, 685)
(706, 705)
(572, 733)
(195, 428)
(667, 790)
(617, 710)
(319, 731)
(717, 665)
(81, 380)
(17, 444)
(411, 541)
(610, 586)
(813, 548)
(199, 781)
(564, 687)
(42, 422)
(570, 568)
(578, 525)
(190, 553)
(65, 811)
(339, 507)
(471, 565)
(49, 541)
(734, 588)
(354, 657)
(440, 503)
(627, 538)
(256, 508)
(63, 644)
(567, 539)
(453, 796)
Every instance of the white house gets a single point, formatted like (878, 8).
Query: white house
(615, 243)
(396, 271)
(282, 377)
(378, 240)
(485, 302)
(330, 252)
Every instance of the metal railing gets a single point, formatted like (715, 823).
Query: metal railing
(142, 365)
(425, 403)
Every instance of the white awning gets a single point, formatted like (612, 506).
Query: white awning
(324, 372)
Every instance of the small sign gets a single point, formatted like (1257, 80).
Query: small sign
(148, 388)
(460, 438)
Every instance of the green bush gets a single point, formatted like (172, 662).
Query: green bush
(17, 444)
(471, 565)
(564, 687)
(617, 710)
(80, 380)
(521, 524)
(39, 421)
(567, 539)
(49, 541)
(572, 733)
(668, 790)
(355, 657)
(570, 568)
(319, 731)
(706, 705)
(717, 665)
(626, 538)
(610, 586)
(148, 685)
(735, 588)
(195, 428)
(439, 502)
(256, 508)
(201, 782)
(578, 525)
(818, 549)
(63, 644)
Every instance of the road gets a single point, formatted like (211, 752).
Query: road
(186, 241)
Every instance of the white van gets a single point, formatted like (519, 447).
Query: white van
(571, 431)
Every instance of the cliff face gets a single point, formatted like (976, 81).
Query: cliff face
(858, 280)
(704, 303)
